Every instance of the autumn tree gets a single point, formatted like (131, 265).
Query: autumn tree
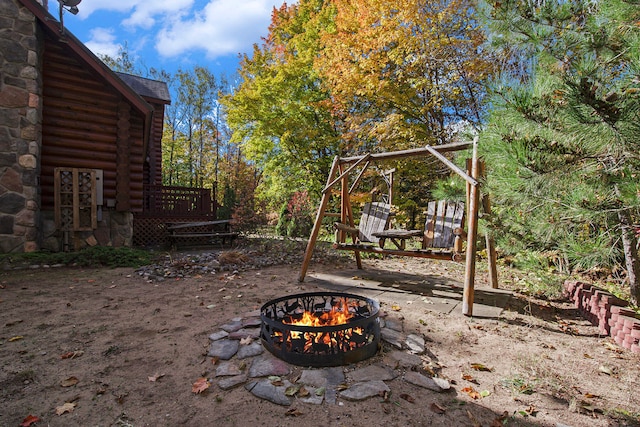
(280, 114)
(562, 143)
(405, 73)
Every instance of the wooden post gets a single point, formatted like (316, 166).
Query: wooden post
(492, 257)
(347, 213)
(472, 236)
(326, 194)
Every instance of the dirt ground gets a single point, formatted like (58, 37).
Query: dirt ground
(120, 350)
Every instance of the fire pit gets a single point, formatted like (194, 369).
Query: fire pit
(321, 329)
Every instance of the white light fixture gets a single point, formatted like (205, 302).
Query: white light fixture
(69, 5)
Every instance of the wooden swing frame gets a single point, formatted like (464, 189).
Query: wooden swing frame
(343, 167)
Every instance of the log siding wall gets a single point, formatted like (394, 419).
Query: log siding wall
(86, 124)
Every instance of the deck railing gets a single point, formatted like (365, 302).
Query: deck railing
(169, 202)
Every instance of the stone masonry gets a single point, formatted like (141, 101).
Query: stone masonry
(20, 128)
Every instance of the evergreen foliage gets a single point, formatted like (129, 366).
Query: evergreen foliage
(562, 142)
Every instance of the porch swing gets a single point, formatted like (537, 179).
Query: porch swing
(443, 233)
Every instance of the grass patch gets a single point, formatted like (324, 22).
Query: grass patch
(519, 385)
(97, 256)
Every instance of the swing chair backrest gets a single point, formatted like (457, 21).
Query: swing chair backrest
(443, 224)
(375, 218)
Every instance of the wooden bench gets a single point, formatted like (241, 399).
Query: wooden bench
(199, 231)
(443, 230)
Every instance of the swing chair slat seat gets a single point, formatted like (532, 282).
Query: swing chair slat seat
(442, 237)
(375, 218)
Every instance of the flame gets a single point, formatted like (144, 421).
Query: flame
(324, 342)
(338, 315)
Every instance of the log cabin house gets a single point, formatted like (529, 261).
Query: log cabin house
(80, 145)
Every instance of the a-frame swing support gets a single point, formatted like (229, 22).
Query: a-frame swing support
(341, 169)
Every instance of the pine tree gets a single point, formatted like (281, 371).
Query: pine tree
(563, 139)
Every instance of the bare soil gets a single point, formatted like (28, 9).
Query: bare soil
(140, 345)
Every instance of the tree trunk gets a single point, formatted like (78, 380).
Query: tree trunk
(629, 244)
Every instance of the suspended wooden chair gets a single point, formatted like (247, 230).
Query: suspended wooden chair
(443, 233)
(435, 229)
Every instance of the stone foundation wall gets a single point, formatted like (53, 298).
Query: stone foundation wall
(115, 229)
(20, 128)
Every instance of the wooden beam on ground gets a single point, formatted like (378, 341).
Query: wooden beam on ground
(416, 253)
(472, 237)
(308, 253)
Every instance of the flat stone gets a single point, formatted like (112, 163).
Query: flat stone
(393, 337)
(223, 349)
(230, 382)
(244, 333)
(404, 360)
(249, 350)
(394, 324)
(266, 365)
(218, 335)
(415, 343)
(372, 372)
(434, 384)
(251, 322)
(365, 390)
(329, 378)
(227, 368)
(232, 326)
(264, 389)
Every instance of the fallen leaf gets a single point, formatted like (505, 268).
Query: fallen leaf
(15, 322)
(200, 385)
(303, 392)
(605, 370)
(485, 393)
(67, 407)
(69, 382)
(480, 367)
(342, 387)
(16, 338)
(472, 392)
(469, 378)
(30, 419)
(586, 356)
(155, 377)
(591, 396)
(71, 354)
(435, 407)
(407, 397)
(246, 341)
(395, 307)
(531, 410)
(293, 412)
(320, 391)
(215, 360)
(292, 390)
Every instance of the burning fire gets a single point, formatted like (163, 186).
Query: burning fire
(338, 315)
(325, 342)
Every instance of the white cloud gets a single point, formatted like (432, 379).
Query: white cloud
(143, 12)
(222, 27)
(103, 42)
(216, 27)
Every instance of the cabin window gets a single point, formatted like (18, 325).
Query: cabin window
(75, 199)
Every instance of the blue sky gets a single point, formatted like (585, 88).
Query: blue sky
(168, 34)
